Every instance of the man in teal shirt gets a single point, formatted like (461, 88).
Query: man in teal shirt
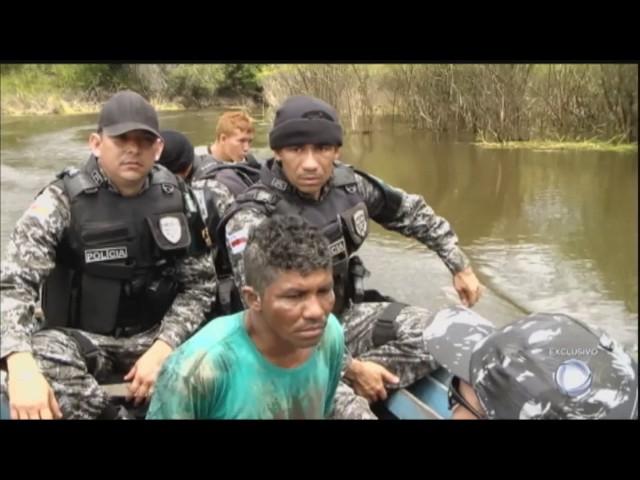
(280, 358)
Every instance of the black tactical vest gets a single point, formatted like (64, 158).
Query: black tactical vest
(115, 266)
(200, 162)
(237, 177)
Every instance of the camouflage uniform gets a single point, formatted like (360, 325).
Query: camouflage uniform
(31, 255)
(406, 356)
(217, 192)
(543, 366)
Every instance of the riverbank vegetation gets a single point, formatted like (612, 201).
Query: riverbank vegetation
(500, 105)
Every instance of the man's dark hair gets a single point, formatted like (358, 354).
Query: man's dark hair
(280, 244)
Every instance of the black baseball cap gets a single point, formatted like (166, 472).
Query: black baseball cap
(127, 111)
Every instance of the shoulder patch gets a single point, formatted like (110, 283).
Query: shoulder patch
(42, 206)
(238, 240)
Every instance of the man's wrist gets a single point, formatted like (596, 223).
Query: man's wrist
(162, 348)
(352, 369)
(21, 361)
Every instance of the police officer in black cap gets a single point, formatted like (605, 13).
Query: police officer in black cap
(107, 247)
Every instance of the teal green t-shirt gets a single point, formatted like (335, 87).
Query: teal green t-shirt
(220, 373)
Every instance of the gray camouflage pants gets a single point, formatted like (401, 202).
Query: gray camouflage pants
(77, 391)
(406, 356)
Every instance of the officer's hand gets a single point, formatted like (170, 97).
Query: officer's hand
(368, 379)
(145, 371)
(30, 395)
(468, 287)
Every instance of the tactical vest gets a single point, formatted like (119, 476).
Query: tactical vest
(342, 216)
(237, 177)
(115, 265)
(200, 162)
